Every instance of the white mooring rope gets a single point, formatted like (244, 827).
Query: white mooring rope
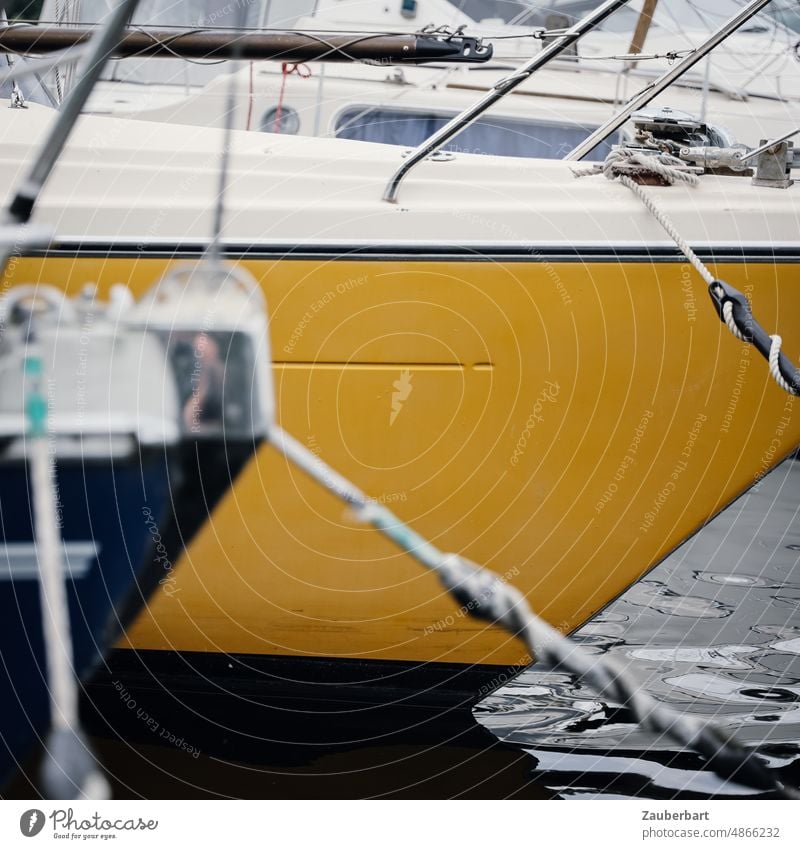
(484, 594)
(625, 164)
(69, 770)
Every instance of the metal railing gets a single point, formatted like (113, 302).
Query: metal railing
(501, 89)
(665, 80)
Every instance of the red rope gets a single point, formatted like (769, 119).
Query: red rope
(302, 71)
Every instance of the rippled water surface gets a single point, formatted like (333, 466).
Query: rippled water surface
(713, 631)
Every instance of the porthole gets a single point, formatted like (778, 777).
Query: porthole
(285, 121)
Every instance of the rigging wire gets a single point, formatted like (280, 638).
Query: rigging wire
(670, 56)
(213, 252)
(364, 35)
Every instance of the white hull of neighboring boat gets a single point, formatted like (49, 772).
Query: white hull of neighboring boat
(749, 86)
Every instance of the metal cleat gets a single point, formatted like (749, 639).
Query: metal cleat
(774, 166)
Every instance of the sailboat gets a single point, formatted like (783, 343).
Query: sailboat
(747, 87)
(520, 363)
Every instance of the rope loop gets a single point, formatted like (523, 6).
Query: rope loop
(625, 162)
(734, 310)
(287, 69)
(300, 68)
(628, 164)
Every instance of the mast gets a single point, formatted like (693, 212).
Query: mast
(642, 28)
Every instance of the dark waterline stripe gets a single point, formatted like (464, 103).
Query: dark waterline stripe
(425, 252)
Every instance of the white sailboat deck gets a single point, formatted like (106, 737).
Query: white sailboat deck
(122, 179)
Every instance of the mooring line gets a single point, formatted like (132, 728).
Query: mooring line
(485, 595)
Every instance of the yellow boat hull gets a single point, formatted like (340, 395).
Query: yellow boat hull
(565, 423)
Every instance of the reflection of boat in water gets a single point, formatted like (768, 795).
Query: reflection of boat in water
(749, 87)
(516, 361)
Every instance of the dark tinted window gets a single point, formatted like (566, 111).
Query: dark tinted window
(497, 136)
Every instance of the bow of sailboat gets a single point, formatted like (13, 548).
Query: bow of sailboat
(518, 362)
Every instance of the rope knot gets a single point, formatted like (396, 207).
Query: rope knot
(483, 593)
(625, 162)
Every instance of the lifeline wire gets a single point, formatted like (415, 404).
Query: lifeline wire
(214, 250)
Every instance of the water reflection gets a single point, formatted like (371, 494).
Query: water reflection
(713, 631)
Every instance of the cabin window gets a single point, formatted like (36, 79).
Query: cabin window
(286, 121)
(490, 135)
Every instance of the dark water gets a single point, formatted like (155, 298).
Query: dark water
(713, 631)
(424, 758)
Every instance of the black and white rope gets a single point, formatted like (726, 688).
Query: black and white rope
(626, 164)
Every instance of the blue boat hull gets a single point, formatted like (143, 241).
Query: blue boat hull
(111, 517)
